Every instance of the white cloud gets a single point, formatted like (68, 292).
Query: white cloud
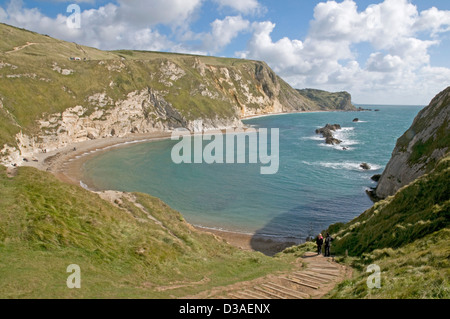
(436, 20)
(242, 6)
(223, 32)
(131, 24)
(146, 13)
(328, 57)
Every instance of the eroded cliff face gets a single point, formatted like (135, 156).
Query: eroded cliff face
(191, 94)
(420, 148)
(54, 93)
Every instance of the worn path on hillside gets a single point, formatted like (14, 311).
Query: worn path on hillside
(21, 47)
(313, 278)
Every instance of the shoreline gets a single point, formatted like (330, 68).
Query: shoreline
(66, 164)
(269, 246)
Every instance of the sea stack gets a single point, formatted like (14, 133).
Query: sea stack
(327, 133)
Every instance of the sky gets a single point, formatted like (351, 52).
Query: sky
(380, 51)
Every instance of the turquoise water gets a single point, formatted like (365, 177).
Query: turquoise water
(316, 185)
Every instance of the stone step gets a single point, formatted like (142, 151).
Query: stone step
(307, 280)
(278, 291)
(316, 278)
(323, 272)
(269, 293)
(321, 266)
(255, 294)
(287, 291)
(319, 275)
(301, 283)
(248, 295)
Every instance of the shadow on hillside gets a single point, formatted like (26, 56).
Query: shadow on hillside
(270, 245)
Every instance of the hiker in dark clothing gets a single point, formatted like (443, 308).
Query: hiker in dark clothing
(328, 241)
(319, 243)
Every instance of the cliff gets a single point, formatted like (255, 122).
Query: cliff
(54, 93)
(326, 100)
(420, 148)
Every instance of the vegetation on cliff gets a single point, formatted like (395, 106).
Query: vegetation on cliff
(49, 86)
(327, 100)
(421, 147)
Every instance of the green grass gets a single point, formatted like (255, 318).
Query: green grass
(46, 225)
(422, 150)
(326, 100)
(419, 270)
(417, 210)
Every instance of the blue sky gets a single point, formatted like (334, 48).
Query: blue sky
(381, 51)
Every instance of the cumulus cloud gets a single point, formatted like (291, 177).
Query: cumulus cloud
(128, 24)
(242, 6)
(223, 32)
(145, 13)
(398, 34)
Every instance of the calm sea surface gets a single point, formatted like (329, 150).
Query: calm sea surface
(316, 185)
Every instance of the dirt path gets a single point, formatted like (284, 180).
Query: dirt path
(21, 47)
(314, 277)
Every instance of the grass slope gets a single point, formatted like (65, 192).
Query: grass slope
(417, 210)
(419, 270)
(46, 225)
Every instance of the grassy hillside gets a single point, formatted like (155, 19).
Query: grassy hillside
(326, 100)
(417, 210)
(142, 249)
(419, 270)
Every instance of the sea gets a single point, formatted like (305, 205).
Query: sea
(316, 184)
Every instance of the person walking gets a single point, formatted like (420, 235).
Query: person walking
(319, 243)
(328, 241)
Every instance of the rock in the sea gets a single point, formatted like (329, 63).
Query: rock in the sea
(327, 133)
(376, 178)
(365, 166)
(332, 141)
(327, 128)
